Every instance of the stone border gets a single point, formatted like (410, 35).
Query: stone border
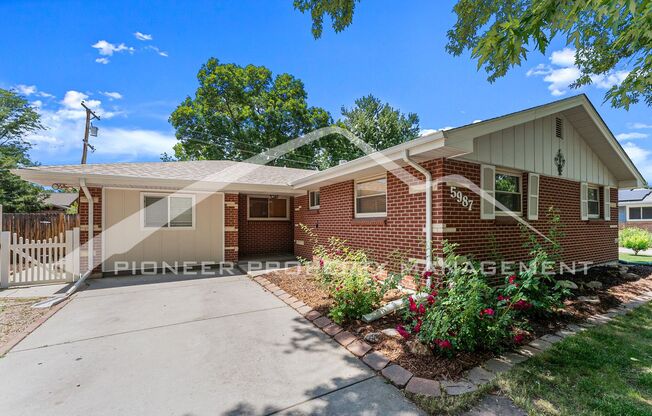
(474, 379)
(13, 341)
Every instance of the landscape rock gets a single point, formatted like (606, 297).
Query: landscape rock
(418, 348)
(455, 388)
(589, 299)
(391, 332)
(594, 284)
(630, 276)
(479, 376)
(567, 284)
(373, 337)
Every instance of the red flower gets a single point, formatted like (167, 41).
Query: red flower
(427, 274)
(501, 298)
(321, 263)
(522, 305)
(487, 311)
(417, 327)
(444, 344)
(402, 331)
(512, 279)
(422, 309)
(431, 299)
(518, 338)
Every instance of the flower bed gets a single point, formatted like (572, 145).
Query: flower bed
(616, 289)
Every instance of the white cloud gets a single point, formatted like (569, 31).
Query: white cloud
(108, 49)
(630, 136)
(423, 132)
(112, 95)
(61, 141)
(157, 50)
(564, 57)
(102, 61)
(562, 72)
(476, 121)
(636, 153)
(143, 36)
(639, 126)
(25, 90)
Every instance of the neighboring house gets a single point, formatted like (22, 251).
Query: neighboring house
(558, 155)
(60, 201)
(635, 208)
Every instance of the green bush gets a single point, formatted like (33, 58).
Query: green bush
(350, 277)
(635, 239)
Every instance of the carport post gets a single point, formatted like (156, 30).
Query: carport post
(4, 259)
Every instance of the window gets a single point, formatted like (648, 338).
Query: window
(313, 196)
(371, 197)
(640, 213)
(168, 211)
(268, 208)
(508, 192)
(594, 202)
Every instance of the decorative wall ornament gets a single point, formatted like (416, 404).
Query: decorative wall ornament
(560, 161)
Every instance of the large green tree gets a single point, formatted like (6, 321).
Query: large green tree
(378, 124)
(238, 112)
(607, 35)
(17, 119)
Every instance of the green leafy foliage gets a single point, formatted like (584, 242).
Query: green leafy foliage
(17, 119)
(351, 278)
(340, 12)
(636, 239)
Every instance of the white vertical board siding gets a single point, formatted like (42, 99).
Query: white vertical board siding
(532, 147)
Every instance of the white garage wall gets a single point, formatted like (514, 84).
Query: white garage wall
(126, 240)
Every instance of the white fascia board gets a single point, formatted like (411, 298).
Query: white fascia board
(383, 160)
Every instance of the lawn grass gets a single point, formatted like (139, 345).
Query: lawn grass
(606, 370)
(630, 258)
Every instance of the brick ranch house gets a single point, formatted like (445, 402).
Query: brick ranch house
(559, 154)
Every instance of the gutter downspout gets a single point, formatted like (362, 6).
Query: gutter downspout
(425, 172)
(89, 198)
(47, 303)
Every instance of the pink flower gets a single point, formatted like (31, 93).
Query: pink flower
(518, 338)
(487, 311)
(321, 263)
(422, 309)
(402, 331)
(512, 279)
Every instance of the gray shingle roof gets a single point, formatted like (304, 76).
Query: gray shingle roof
(633, 195)
(207, 170)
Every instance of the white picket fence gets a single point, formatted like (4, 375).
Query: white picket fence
(31, 262)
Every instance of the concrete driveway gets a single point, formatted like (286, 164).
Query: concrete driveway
(166, 345)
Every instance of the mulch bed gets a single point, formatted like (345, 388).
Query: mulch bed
(615, 290)
(16, 316)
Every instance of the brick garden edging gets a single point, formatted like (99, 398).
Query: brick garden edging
(474, 379)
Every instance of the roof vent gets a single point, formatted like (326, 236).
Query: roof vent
(559, 128)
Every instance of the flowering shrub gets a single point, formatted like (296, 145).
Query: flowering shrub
(351, 279)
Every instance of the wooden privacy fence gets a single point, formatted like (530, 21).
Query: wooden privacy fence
(27, 262)
(39, 226)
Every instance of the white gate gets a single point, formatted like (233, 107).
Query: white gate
(30, 262)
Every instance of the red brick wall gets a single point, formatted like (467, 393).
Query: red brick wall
(592, 240)
(263, 237)
(402, 228)
(646, 225)
(231, 209)
(96, 194)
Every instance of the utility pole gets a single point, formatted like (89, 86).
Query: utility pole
(90, 115)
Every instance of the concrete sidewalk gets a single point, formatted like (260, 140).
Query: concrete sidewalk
(203, 346)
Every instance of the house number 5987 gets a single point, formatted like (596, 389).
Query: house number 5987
(461, 199)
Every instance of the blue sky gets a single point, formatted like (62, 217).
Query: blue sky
(134, 62)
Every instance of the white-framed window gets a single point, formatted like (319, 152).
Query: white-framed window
(313, 199)
(175, 211)
(371, 197)
(593, 198)
(508, 192)
(640, 214)
(268, 208)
